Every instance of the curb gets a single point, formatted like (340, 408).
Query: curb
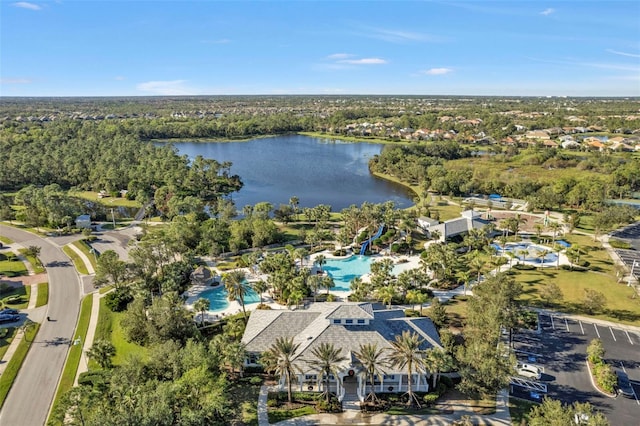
(608, 395)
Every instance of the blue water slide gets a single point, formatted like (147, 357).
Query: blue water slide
(363, 248)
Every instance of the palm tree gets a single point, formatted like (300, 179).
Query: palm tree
(541, 255)
(386, 294)
(300, 253)
(372, 359)
(555, 227)
(314, 282)
(202, 305)
(327, 358)
(294, 202)
(438, 360)
(320, 260)
(476, 266)
(465, 277)
(234, 355)
(237, 287)
(280, 359)
(524, 253)
(328, 283)
(260, 287)
(101, 352)
(406, 353)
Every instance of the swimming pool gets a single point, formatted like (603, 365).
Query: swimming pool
(532, 252)
(344, 270)
(218, 298)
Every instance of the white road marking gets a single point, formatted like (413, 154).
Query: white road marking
(614, 336)
(597, 332)
(552, 323)
(622, 365)
(628, 337)
(581, 328)
(566, 323)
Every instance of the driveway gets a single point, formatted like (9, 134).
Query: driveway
(560, 349)
(32, 393)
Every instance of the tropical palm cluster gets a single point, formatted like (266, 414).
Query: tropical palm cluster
(405, 353)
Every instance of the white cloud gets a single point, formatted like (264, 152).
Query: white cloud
(120, 78)
(15, 81)
(438, 71)
(548, 11)
(616, 52)
(363, 61)
(27, 5)
(395, 36)
(173, 87)
(340, 56)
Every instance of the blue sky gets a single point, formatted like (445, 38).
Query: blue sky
(163, 47)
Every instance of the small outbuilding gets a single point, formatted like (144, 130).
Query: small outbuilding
(83, 221)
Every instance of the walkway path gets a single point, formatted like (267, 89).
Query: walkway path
(501, 416)
(88, 340)
(84, 258)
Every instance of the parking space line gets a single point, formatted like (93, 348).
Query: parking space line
(628, 337)
(597, 332)
(552, 323)
(581, 328)
(622, 365)
(566, 323)
(614, 336)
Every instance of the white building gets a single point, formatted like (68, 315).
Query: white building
(347, 326)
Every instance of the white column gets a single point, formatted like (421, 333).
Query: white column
(400, 383)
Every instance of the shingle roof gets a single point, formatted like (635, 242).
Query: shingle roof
(312, 327)
(352, 311)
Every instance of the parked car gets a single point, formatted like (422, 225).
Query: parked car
(9, 311)
(624, 385)
(529, 371)
(9, 318)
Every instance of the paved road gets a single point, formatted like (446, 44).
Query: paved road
(561, 350)
(30, 397)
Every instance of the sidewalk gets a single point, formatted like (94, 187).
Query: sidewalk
(84, 258)
(88, 340)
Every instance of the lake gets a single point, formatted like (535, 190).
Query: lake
(317, 171)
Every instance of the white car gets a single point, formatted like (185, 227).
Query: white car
(528, 370)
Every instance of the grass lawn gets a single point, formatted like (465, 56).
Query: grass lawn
(13, 366)
(519, 408)
(457, 311)
(84, 248)
(5, 240)
(77, 261)
(36, 265)
(399, 410)
(43, 294)
(244, 398)
(75, 351)
(620, 306)
(444, 209)
(109, 328)
(24, 292)
(107, 201)
(280, 415)
(12, 268)
(6, 340)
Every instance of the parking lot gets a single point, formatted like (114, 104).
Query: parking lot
(559, 349)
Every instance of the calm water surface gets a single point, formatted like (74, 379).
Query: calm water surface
(317, 171)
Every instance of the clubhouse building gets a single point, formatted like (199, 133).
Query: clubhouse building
(347, 325)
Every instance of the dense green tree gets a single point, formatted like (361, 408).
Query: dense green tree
(101, 352)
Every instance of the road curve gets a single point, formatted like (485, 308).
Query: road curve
(33, 390)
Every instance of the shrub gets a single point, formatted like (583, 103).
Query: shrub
(331, 297)
(524, 267)
(334, 406)
(255, 380)
(272, 403)
(254, 369)
(411, 313)
(3, 256)
(13, 300)
(93, 378)
(431, 398)
(118, 300)
(615, 243)
(341, 252)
